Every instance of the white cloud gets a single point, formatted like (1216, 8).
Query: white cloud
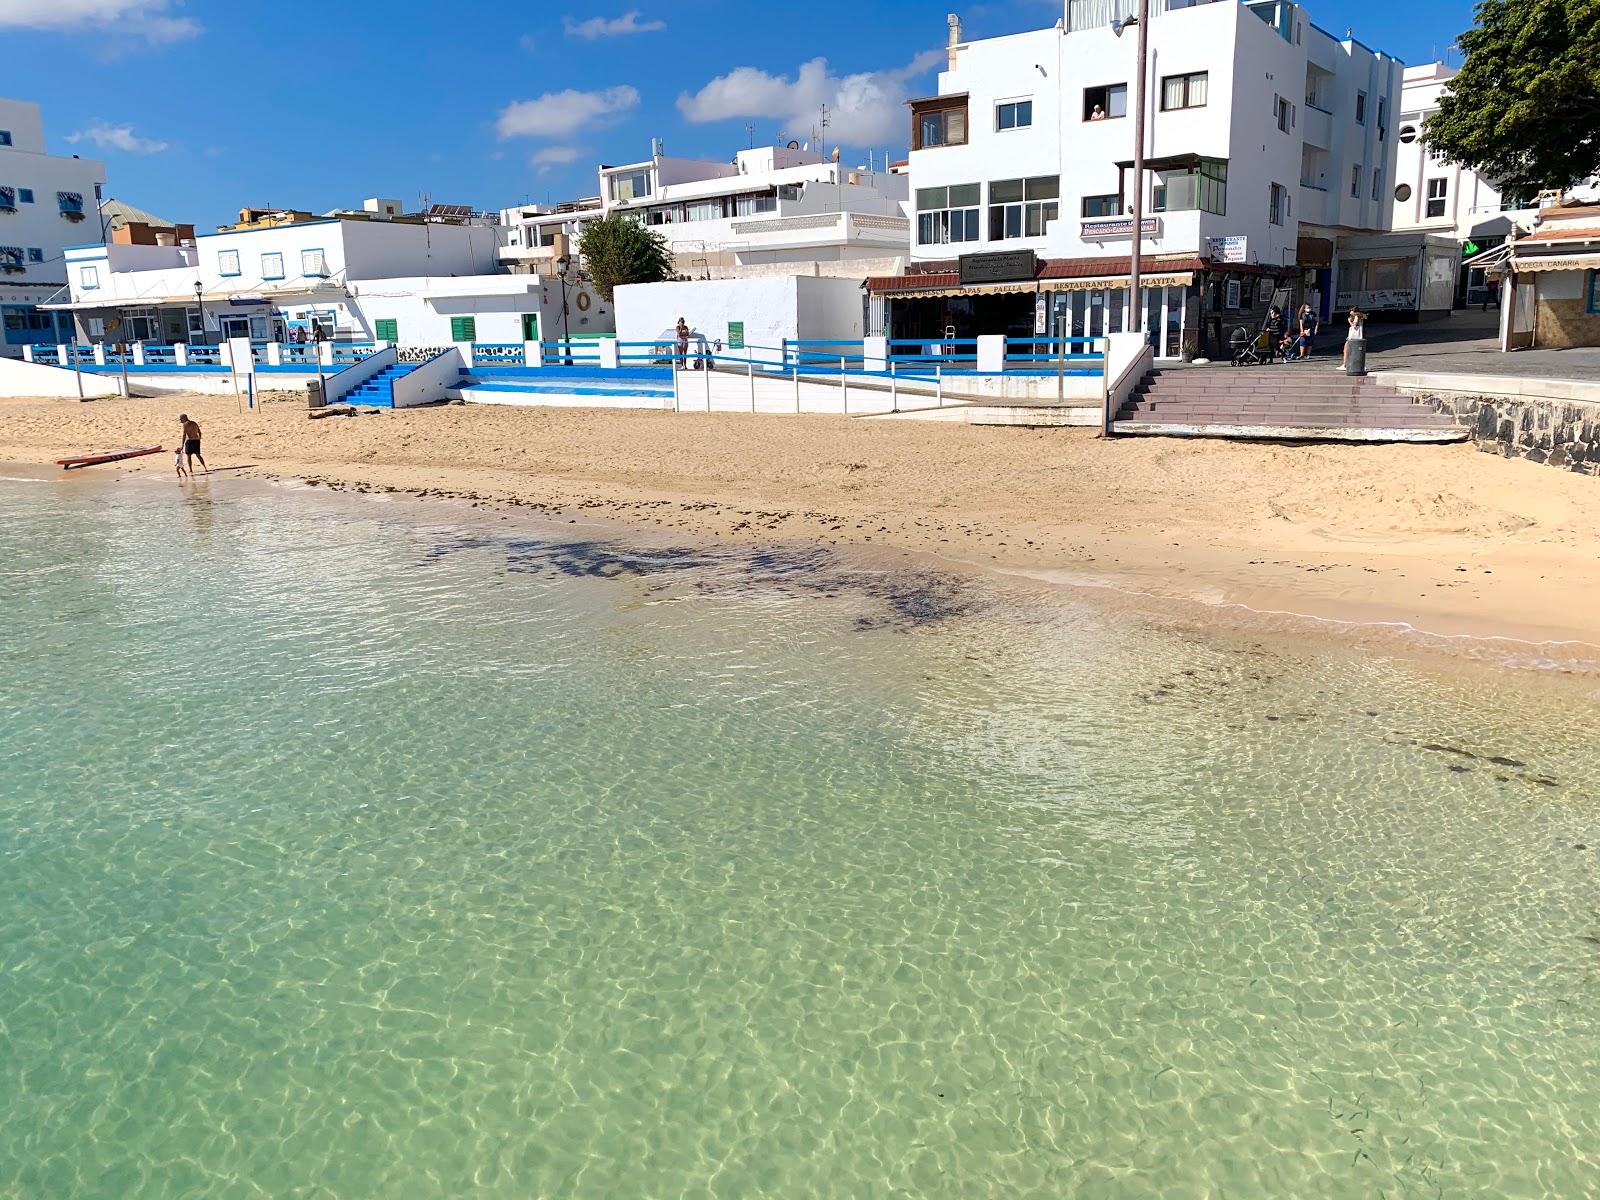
(546, 160)
(599, 27)
(147, 20)
(863, 108)
(117, 137)
(557, 114)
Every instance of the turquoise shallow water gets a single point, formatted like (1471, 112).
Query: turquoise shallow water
(345, 854)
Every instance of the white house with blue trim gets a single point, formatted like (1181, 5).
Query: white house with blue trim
(411, 282)
(47, 201)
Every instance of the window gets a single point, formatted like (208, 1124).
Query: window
(1403, 192)
(11, 258)
(88, 278)
(702, 210)
(272, 265)
(1183, 91)
(1355, 181)
(70, 204)
(35, 254)
(463, 329)
(1203, 187)
(24, 195)
(5, 137)
(1105, 103)
(1383, 117)
(8, 199)
(1277, 203)
(1377, 183)
(1020, 207)
(1438, 192)
(313, 264)
(947, 214)
(942, 126)
(386, 329)
(227, 262)
(630, 185)
(1591, 294)
(1408, 134)
(1361, 108)
(749, 206)
(1013, 114)
(1283, 112)
(1109, 205)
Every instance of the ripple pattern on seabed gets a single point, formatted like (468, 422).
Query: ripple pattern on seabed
(344, 857)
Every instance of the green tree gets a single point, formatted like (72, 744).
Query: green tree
(1525, 109)
(618, 249)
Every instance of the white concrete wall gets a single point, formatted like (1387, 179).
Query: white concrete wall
(769, 308)
(18, 378)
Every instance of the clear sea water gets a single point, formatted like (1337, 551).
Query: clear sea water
(350, 850)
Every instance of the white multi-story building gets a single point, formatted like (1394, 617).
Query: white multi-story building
(381, 277)
(47, 202)
(1437, 197)
(1265, 139)
(772, 210)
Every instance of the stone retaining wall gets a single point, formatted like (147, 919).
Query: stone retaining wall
(1559, 433)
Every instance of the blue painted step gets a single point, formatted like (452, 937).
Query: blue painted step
(378, 392)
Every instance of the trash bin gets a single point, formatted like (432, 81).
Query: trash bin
(314, 397)
(1355, 359)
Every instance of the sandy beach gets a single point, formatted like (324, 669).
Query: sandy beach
(1448, 540)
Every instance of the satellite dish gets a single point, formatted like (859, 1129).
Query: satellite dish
(792, 144)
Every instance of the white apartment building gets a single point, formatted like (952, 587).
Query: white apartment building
(771, 210)
(1265, 139)
(1436, 197)
(408, 281)
(47, 202)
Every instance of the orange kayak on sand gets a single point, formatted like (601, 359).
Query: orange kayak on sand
(95, 457)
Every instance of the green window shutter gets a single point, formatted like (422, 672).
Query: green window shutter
(386, 330)
(463, 329)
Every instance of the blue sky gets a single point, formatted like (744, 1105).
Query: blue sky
(199, 107)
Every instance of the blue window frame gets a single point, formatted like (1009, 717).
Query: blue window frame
(5, 137)
(272, 265)
(24, 195)
(88, 278)
(1591, 294)
(313, 263)
(36, 254)
(227, 263)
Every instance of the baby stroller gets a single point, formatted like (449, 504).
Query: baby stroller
(1256, 351)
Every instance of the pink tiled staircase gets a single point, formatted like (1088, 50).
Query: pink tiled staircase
(1294, 401)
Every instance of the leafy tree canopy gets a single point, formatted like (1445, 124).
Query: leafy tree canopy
(618, 250)
(1524, 111)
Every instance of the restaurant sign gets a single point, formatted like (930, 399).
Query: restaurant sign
(1001, 267)
(1118, 227)
(1234, 249)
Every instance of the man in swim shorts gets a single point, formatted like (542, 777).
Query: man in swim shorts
(191, 443)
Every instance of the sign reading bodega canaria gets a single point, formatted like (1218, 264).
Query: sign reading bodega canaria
(1001, 267)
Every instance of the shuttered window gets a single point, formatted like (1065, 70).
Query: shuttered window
(386, 330)
(463, 329)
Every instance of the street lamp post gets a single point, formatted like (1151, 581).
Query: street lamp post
(562, 264)
(199, 303)
(1136, 317)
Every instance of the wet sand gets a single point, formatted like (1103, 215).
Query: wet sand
(1446, 540)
